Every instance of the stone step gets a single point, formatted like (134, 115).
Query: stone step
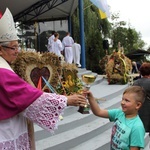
(74, 127)
(77, 131)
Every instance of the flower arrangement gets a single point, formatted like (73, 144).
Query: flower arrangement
(69, 83)
(61, 77)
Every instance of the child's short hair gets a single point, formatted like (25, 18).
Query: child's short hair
(139, 91)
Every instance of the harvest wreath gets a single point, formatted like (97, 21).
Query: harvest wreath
(117, 67)
(61, 77)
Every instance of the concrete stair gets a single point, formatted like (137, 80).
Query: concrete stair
(84, 131)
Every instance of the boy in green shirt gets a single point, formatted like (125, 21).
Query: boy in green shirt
(128, 130)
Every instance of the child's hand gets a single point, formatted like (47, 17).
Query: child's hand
(89, 95)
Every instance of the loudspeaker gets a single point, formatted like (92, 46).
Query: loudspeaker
(105, 44)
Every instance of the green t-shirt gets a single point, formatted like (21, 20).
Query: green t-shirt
(126, 132)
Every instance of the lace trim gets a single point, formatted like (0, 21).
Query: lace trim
(46, 109)
(22, 142)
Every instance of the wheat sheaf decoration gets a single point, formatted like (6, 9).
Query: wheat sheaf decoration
(70, 82)
(32, 65)
(118, 68)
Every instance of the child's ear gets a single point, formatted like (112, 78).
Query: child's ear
(139, 104)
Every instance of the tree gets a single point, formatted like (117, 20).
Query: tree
(129, 38)
(96, 30)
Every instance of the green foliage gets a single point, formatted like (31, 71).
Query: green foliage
(129, 38)
(94, 28)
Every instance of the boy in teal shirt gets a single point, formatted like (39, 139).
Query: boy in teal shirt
(128, 131)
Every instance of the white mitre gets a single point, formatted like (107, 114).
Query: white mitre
(7, 27)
